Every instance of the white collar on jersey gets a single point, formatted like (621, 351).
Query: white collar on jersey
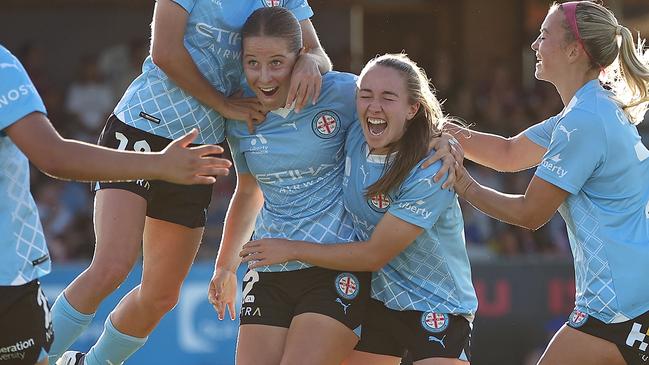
(377, 158)
(283, 112)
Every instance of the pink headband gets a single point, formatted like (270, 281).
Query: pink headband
(570, 10)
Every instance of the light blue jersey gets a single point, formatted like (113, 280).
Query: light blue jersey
(596, 155)
(155, 104)
(24, 254)
(433, 272)
(298, 161)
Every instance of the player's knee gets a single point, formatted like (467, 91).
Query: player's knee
(107, 278)
(162, 301)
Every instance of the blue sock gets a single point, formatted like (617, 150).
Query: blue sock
(68, 324)
(113, 347)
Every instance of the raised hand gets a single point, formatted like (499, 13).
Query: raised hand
(182, 164)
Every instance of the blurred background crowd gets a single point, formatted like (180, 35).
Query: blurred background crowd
(484, 81)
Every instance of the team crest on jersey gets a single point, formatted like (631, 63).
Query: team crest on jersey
(578, 318)
(379, 202)
(271, 3)
(326, 124)
(434, 322)
(347, 285)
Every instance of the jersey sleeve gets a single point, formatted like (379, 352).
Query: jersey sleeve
(299, 8)
(18, 96)
(541, 133)
(576, 150)
(420, 200)
(234, 142)
(188, 5)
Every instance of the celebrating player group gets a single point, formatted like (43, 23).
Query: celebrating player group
(348, 191)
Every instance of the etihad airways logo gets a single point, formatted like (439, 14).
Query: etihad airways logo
(221, 38)
(551, 163)
(15, 94)
(276, 177)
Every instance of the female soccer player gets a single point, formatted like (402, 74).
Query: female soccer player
(26, 133)
(593, 169)
(292, 165)
(422, 298)
(187, 81)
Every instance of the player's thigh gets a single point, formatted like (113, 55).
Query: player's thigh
(572, 347)
(317, 339)
(119, 218)
(363, 358)
(169, 250)
(260, 344)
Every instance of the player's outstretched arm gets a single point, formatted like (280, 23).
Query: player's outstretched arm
(75, 160)
(239, 225)
(391, 236)
(497, 152)
(531, 210)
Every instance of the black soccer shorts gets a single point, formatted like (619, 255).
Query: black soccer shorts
(274, 298)
(631, 337)
(181, 204)
(25, 324)
(424, 335)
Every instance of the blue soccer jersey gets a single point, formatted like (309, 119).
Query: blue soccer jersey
(24, 253)
(155, 104)
(433, 272)
(596, 155)
(298, 161)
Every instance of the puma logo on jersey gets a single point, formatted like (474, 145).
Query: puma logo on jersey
(292, 125)
(438, 340)
(564, 130)
(345, 306)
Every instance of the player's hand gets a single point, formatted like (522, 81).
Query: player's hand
(449, 150)
(247, 110)
(181, 164)
(306, 82)
(222, 292)
(267, 251)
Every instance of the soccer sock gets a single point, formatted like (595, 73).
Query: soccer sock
(68, 324)
(113, 347)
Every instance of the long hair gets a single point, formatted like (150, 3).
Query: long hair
(605, 41)
(274, 21)
(426, 124)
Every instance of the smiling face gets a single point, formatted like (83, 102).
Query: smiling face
(267, 64)
(549, 47)
(383, 107)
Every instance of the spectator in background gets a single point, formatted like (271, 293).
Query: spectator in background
(89, 99)
(122, 63)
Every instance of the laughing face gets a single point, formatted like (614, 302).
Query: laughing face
(549, 47)
(267, 64)
(383, 107)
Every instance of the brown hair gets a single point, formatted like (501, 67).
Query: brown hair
(426, 124)
(274, 21)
